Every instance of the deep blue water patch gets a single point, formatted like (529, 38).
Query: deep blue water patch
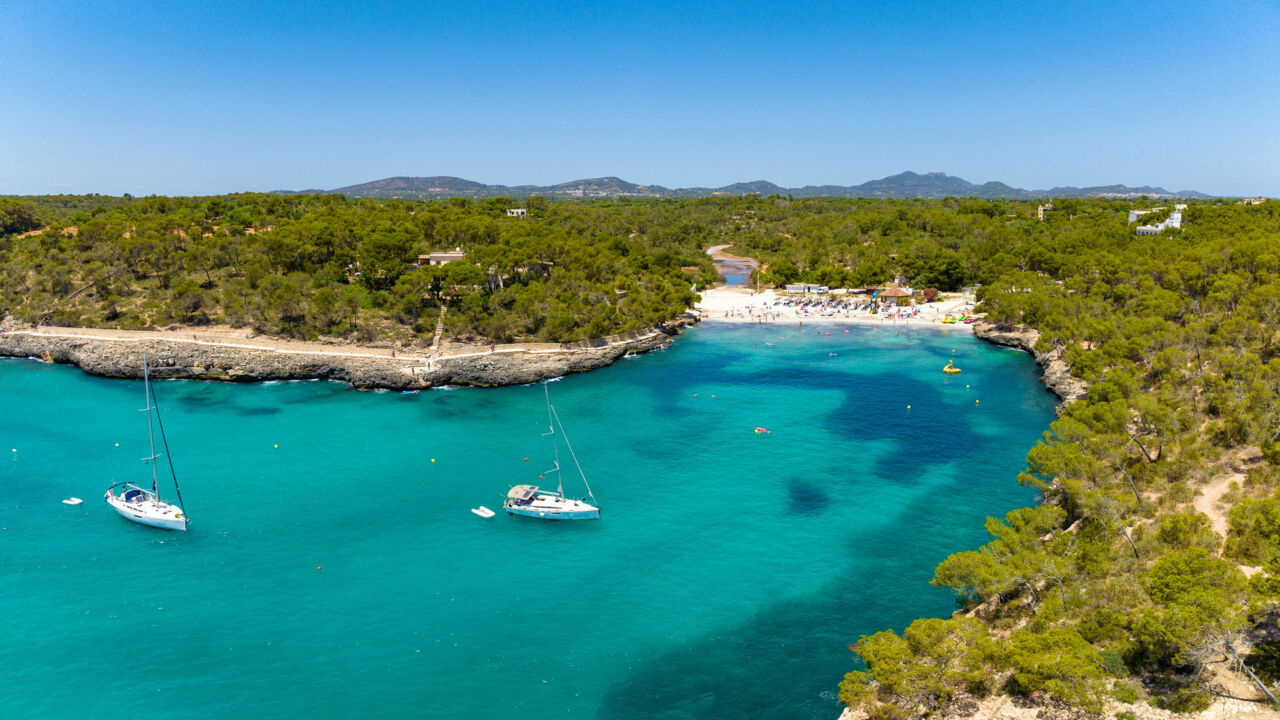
(806, 497)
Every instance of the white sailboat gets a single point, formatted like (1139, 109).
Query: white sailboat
(137, 503)
(530, 501)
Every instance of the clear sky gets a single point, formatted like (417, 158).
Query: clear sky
(212, 97)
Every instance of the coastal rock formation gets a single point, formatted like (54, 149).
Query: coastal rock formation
(1005, 707)
(1057, 375)
(169, 357)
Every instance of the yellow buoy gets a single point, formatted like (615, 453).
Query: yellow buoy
(908, 407)
(975, 402)
(433, 459)
(276, 447)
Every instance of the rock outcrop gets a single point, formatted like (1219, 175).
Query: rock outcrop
(1056, 374)
(168, 357)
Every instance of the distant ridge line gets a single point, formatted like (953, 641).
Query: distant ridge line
(903, 185)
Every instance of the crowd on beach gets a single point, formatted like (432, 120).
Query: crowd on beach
(767, 307)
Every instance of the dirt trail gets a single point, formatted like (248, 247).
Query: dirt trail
(1210, 498)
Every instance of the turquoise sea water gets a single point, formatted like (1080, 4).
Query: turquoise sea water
(342, 574)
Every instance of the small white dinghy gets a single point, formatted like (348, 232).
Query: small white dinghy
(483, 512)
(72, 501)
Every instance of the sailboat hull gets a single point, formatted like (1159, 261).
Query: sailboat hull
(552, 507)
(148, 511)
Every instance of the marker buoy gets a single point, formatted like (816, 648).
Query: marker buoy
(433, 459)
(975, 402)
(317, 567)
(526, 459)
(276, 447)
(908, 407)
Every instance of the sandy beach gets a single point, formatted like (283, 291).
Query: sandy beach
(734, 304)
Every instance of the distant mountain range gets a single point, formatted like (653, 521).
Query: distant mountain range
(902, 185)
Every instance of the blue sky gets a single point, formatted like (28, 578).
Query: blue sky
(215, 97)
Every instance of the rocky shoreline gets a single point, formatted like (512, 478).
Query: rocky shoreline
(100, 353)
(1056, 373)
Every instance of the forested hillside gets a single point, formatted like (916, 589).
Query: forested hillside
(321, 265)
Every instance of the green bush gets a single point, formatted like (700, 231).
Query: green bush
(1124, 692)
(1183, 530)
(1185, 700)
(1254, 534)
(1059, 663)
(1113, 662)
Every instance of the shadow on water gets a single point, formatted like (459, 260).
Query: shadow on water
(210, 399)
(806, 498)
(871, 409)
(778, 664)
(786, 661)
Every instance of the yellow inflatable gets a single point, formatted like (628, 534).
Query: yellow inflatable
(950, 369)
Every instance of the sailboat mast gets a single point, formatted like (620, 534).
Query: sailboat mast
(574, 455)
(151, 433)
(555, 448)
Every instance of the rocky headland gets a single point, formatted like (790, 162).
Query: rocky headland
(193, 354)
(1056, 373)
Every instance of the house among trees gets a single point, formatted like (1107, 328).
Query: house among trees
(516, 212)
(1173, 221)
(440, 258)
(1042, 209)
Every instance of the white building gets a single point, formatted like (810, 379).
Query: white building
(1173, 221)
(516, 212)
(440, 258)
(807, 289)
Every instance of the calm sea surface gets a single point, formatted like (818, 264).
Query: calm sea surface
(342, 575)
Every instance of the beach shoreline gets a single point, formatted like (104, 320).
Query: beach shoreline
(740, 305)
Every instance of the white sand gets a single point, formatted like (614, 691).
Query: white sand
(741, 305)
